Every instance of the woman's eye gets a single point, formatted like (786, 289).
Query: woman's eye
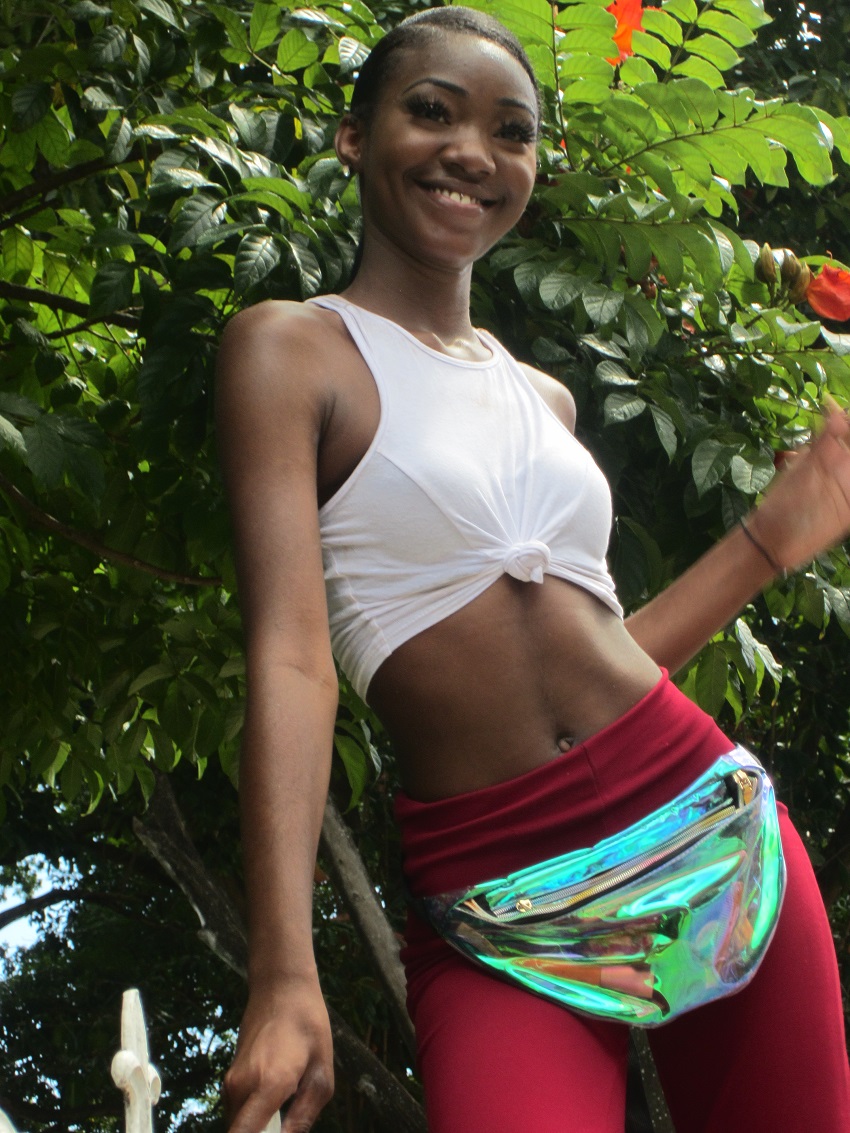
(431, 108)
(518, 132)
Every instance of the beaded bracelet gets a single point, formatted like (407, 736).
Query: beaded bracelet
(759, 546)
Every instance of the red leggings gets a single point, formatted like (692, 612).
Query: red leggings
(496, 1059)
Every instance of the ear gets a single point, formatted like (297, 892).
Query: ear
(349, 142)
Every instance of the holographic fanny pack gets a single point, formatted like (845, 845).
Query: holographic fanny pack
(673, 912)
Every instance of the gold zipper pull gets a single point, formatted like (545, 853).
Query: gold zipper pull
(745, 788)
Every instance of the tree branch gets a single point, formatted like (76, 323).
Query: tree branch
(53, 181)
(164, 834)
(355, 887)
(109, 554)
(35, 904)
(56, 302)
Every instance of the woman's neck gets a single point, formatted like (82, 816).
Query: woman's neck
(427, 300)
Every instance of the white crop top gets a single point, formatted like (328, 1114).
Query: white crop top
(469, 475)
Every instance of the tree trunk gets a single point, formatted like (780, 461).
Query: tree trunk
(163, 833)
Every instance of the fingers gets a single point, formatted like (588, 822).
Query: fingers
(256, 1116)
(260, 1112)
(309, 1101)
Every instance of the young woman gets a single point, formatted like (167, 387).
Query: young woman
(396, 475)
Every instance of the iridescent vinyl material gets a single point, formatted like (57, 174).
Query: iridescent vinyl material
(672, 912)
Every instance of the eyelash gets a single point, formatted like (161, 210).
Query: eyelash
(435, 110)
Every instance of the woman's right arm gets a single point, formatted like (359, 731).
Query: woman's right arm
(270, 409)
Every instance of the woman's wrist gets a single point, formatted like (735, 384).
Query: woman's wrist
(761, 547)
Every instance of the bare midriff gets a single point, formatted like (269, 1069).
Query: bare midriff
(505, 684)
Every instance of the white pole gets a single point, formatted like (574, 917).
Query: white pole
(131, 1068)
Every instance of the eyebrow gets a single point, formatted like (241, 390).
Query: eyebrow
(453, 88)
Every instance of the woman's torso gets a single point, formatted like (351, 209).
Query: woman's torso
(507, 681)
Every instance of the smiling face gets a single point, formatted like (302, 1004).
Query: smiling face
(447, 158)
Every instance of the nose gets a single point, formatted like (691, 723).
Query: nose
(468, 151)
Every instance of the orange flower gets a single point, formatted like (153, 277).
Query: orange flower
(829, 293)
(629, 14)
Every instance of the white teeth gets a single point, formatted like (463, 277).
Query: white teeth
(462, 198)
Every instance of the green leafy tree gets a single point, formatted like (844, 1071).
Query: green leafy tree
(164, 164)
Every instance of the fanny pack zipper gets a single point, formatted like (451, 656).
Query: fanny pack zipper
(742, 788)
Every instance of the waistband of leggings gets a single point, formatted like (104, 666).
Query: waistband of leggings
(634, 765)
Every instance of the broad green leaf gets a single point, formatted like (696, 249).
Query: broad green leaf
(701, 69)
(282, 188)
(18, 256)
(352, 53)
(199, 215)
(710, 463)
(108, 46)
(733, 30)
(711, 679)
(751, 476)
(559, 289)
(649, 47)
(644, 326)
(112, 289)
(265, 25)
(11, 438)
(602, 303)
(605, 347)
(296, 51)
(668, 253)
(840, 343)
(236, 30)
(53, 140)
(662, 24)
(665, 429)
(635, 71)
(356, 763)
(588, 41)
(162, 670)
(30, 103)
(99, 99)
(120, 139)
(585, 16)
(638, 251)
(531, 20)
(309, 271)
(620, 407)
(749, 12)
(715, 50)
(612, 374)
(547, 351)
(684, 10)
(162, 10)
(581, 66)
(258, 254)
(45, 452)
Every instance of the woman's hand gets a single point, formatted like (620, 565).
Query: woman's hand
(284, 1053)
(806, 509)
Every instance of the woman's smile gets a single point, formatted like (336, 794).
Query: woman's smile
(447, 159)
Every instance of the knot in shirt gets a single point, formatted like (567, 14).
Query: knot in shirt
(528, 561)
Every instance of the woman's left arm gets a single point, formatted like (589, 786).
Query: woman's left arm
(806, 510)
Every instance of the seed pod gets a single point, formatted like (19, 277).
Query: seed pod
(766, 265)
(797, 290)
(791, 268)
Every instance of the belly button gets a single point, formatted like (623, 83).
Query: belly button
(565, 742)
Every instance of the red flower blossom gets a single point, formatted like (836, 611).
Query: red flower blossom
(629, 14)
(829, 293)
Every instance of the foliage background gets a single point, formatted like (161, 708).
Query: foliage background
(164, 163)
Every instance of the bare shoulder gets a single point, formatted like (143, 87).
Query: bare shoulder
(554, 393)
(278, 340)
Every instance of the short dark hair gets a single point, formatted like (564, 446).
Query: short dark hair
(416, 29)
